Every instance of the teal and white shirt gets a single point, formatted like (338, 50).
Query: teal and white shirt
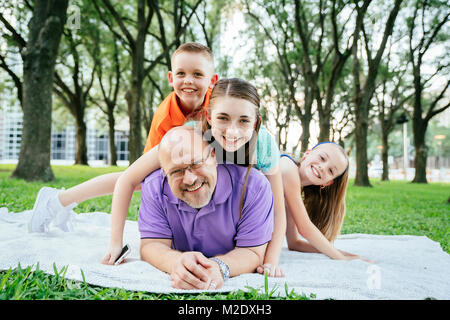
(267, 152)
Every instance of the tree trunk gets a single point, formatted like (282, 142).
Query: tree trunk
(134, 114)
(420, 160)
(305, 134)
(325, 127)
(45, 30)
(427, 34)
(362, 176)
(384, 155)
(112, 140)
(133, 96)
(305, 116)
(419, 130)
(362, 104)
(361, 125)
(363, 97)
(80, 141)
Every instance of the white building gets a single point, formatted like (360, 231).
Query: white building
(62, 141)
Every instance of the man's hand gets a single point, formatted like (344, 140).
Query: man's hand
(215, 275)
(191, 271)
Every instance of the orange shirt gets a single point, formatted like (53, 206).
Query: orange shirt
(167, 116)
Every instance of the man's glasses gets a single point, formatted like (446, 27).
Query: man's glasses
(178, 173)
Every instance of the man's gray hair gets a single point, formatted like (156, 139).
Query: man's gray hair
(173, 141)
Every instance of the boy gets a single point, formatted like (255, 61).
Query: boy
(192, 77)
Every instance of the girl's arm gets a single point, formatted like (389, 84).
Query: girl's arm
(297, 210)
(274, 247)
(128, 182)
(293, 240)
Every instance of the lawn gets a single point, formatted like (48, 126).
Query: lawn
(389, 208)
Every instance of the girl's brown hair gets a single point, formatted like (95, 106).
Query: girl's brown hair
(326, 206)
(240, 89)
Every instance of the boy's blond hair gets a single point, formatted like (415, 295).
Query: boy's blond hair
(194, 47)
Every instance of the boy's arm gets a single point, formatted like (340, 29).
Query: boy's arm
(123, 191)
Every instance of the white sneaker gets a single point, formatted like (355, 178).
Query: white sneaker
(64, 218)
(48, 208)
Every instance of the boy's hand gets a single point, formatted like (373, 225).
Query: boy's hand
(112, 255)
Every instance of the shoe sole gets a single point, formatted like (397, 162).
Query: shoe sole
(38, 198)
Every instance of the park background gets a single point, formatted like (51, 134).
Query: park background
(80, 80)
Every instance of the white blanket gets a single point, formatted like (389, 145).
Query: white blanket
(408, 267)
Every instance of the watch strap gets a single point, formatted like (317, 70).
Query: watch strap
(224, 269)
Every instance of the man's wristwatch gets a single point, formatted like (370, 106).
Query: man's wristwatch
(224, 269)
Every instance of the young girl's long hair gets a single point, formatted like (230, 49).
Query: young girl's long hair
(326, 206)
(240, 89)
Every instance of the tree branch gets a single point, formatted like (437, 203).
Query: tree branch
(431, 112)
(119, 20)
(15, 78)
(387, 31)
(435, 32)
(18, 39)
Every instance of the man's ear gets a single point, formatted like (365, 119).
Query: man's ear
(214, 80)
(170, 76)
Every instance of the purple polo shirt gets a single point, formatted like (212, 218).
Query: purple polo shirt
(216, 228)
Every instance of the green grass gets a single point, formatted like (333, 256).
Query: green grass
(398, 207)
(389, 208)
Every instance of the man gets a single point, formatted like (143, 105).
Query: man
(190, 221)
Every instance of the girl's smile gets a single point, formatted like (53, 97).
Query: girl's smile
(322, 165)
(232, 122)
(315, 171)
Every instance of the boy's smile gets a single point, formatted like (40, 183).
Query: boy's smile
(191, 76)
